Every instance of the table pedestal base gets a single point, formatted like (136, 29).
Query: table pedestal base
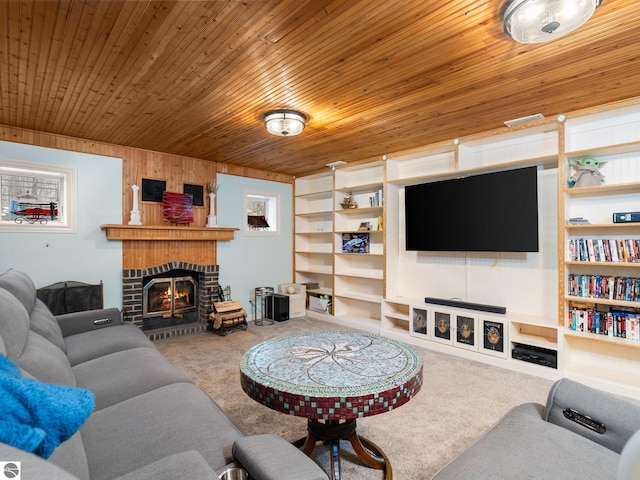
(331, 432)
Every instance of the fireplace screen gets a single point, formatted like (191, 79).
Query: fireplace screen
(169, 297)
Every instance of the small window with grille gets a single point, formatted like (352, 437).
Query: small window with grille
(36, 197)
(261, 213)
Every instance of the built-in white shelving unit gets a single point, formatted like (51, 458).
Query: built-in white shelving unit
(313, 246)
(359, 273)
(384, 288)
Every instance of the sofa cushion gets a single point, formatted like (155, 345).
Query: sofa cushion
(522, 446)
(41, 320)
(20, 285)
(188, 464)
(45, 362)
(71, 456)
(97, 343)
(34, 467)
(121, 375)
(44, 323)
(144, 429)
(14, 324)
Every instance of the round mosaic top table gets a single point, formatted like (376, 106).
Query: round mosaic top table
(332, 378)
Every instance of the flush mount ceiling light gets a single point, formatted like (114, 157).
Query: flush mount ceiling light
(535, 21)
(284, 123)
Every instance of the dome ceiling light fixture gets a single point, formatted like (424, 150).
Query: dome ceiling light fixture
(284, 123)
(536, 21)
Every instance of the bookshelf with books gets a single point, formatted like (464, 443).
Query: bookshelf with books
(600, 268)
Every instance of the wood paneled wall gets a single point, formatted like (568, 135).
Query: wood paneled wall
(138, 164)
(175, 170)
(146, 253)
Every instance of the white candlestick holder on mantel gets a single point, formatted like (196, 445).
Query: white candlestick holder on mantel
(212, 221)
(135, 213)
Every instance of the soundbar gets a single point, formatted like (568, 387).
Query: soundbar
(469, 306)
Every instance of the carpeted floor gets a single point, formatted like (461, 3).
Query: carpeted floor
(460, 399)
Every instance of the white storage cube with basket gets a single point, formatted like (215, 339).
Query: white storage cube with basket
(297, 298)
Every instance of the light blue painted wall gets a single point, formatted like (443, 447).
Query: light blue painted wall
(84, 256)
(249, 262)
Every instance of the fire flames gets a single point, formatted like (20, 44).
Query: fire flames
(181, 298)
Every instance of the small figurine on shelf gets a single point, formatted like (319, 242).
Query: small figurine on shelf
(135, 213)
(587, 173)
(212, 221)
(349, 202)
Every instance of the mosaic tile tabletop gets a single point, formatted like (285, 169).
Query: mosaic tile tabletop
(331, 375)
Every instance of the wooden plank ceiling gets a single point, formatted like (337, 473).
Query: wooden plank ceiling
(374, 76)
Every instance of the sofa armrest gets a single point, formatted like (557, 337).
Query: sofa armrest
(80, 322)
(584, 410)
(270, 457)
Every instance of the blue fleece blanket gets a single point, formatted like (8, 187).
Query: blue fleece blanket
(37, 416)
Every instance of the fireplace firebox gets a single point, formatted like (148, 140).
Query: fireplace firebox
(163, 311)
(169, 297)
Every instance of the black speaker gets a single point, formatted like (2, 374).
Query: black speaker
(277, 307)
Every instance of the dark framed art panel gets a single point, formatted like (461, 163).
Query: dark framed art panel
(442, 326)
(419, 322)
(466, 331)
(196, 192)
(494, 339)
(153, 189)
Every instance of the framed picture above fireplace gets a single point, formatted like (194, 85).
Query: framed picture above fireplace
(152, 190)
(196, 191)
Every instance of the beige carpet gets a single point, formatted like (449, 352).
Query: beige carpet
(460, 399)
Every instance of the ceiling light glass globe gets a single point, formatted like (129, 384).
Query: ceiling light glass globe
(535, 21)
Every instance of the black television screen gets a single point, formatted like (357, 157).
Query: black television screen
(494, 212)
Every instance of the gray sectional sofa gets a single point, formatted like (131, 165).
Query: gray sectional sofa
(146, 419)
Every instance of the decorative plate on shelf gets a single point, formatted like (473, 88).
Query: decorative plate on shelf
(177, 208)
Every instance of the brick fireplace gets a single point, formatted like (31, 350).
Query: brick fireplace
(133, 295)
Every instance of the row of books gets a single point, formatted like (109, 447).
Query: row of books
(375, 200)
(602, 286)
(615, 323)
(604, 250)
(369, 199)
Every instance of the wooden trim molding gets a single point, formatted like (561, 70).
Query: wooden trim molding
(166, 233)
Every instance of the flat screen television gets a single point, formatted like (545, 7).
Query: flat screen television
(494, 212)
